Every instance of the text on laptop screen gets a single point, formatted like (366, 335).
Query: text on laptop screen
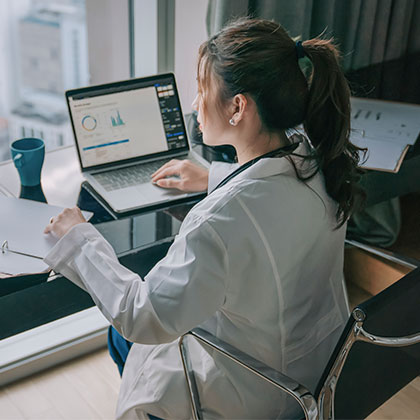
(127, 122)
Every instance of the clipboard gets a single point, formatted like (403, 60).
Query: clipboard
(386, 129)
(22, 239)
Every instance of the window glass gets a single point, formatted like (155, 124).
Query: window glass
(43, 52)
(166, 36)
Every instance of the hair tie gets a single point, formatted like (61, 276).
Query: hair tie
(300, 51)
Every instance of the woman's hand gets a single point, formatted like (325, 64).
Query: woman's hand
(62, 223)
(191, 177)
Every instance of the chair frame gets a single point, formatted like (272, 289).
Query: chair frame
(323, 407)
(314, 409)
(386, 254)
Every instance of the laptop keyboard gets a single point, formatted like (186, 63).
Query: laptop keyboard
(129, 176)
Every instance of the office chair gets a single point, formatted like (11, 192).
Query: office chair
(377, 354)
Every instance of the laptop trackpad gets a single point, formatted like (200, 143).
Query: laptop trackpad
(141, 196)
(154, 193)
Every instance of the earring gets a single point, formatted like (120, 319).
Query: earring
(232, 122)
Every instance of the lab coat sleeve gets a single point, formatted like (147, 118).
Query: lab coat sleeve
(180, 292)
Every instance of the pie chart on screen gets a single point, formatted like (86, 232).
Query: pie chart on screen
(89, 123)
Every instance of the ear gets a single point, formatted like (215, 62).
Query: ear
(238, 106)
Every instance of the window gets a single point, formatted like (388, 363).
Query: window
(165, 37)
(46, 47)
(43, 53)
(49, 46)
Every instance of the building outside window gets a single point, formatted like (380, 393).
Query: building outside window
(43, 53)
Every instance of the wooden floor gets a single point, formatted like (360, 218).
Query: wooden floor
(87, 388)
(404, 405)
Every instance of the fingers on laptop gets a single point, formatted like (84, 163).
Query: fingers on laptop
(191, 177)
(171, 164)
(163, 181)
(170, 183)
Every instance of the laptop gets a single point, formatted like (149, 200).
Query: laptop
(124, 132)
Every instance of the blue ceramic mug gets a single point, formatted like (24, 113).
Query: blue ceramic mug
(28, 157)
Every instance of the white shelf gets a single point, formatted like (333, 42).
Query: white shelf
(45, 346)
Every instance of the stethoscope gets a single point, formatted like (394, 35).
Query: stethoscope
(278, 153)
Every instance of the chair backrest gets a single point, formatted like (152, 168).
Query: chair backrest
(375, 369)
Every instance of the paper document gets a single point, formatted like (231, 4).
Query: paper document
(386, 120)
(381, 155)
(386, 129)
(22, 224)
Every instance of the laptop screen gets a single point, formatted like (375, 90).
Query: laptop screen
(127, 120)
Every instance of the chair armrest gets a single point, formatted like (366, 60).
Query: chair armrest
(360, 334)
(277, 379)
(385, 254)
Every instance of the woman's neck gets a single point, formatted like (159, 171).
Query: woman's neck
(259, 145)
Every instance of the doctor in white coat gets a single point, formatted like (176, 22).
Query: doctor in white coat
(259, 261)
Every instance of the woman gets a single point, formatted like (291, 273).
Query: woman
(259, 261)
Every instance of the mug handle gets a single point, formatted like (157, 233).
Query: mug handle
(18, 160)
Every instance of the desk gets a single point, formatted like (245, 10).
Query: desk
(55, 175)
(55, 321)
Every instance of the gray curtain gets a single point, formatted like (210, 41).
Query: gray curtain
(368, 31)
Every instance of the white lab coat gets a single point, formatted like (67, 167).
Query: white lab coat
(257, 262)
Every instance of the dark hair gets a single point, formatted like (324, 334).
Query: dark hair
(257, 57)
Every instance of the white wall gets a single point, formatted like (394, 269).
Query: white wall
(190, 32)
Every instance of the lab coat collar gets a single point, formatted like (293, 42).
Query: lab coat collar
(267, 167)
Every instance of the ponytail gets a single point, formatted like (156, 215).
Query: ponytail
(327, 124)
(258, 57)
